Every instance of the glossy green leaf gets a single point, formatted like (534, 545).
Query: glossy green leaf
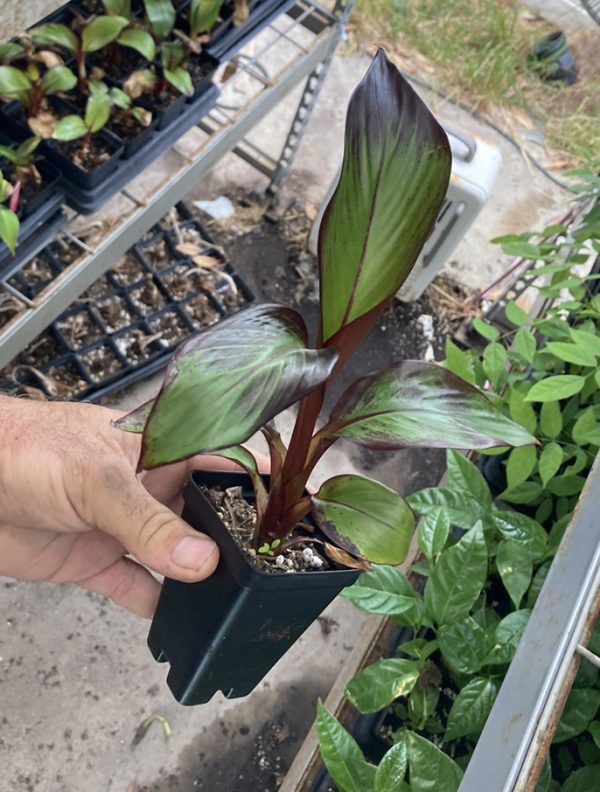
(464, 475)
(180, 80)
(383, 590)
(515, 568)
(515, 314)
(525, 344)
(551, 459)
(54, 34)
(594, 730)
(392, 769)
(586, 429)
(247, 461)
(71, 127)
(566, 485)
(416, 404)
(422, 703)
(227, 381)
(589, 342)
(471, 708)
(522, 529)
(553, 388)
(161, 15)
(9, 51)
(521, 411)
(13, 81)
(520, 465)
(462, 509)
(529, 492)
(9, 228)
(97, 111)
(507, 636)
(586, 779)
(394, 178)
(342, 757)
(485, 329)
(464, 645)
(58, 79)
(551, 422)
(431, 770)
(101, 31)
(118, 7)
(494, 362)
(433, 532)
(139, 40)
(457, 578)
(364, 517)
(521, 249)
(580, 710)
(381, 683)
(202, 15)
(459, 362)
(571, 353)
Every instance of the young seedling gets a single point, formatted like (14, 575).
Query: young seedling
(173, 73)
(269, 548)
(9, 222)
(229, 381)
(23, 159)
(97, 113)
(94, 36)
(10, 51)
(31, 87)
(160, 18)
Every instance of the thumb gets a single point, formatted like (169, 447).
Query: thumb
(152, 532)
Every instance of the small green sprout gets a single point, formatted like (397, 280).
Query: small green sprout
(269, 549)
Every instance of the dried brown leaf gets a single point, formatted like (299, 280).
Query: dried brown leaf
(50, 59)
(345, 559)
(137, 84)
(241, 12)
(43, 124)
(188, 249)
(229, 70)
(310, 210)
(206, 262)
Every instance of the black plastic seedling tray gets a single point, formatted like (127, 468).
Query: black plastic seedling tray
(227, 40)
(130, 321)
(35, 233)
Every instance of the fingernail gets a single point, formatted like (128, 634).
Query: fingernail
(192, 552)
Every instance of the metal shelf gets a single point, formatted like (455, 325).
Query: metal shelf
(294, 47)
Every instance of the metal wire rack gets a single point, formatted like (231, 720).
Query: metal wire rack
(296, 46)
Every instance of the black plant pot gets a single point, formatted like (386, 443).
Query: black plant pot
(554, 59)
(165, 114)
(225, 633)
(88, 179)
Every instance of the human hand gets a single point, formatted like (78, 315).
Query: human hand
(72, 506)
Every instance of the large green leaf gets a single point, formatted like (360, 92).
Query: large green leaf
(203, 14)
(383, 590)
(464, 645)
(431, 770)
(394, 177)
(180, 80)
(227, 381)
(392, 769)
(342, 756)
(520, 465)
(139, 40)
(590, 342)
(9, 228)
(54, 34)
(101, 31)
(571, 353)
(580, 710)
(58, 79)
(550, 461)
(463, 510)
(365, 518)
(161, 15)
(13, 81)
(457, 578)
(551, 421)
(553, 388)
(471, 708)
(586, 779)
(381, 683)
(416, 404)
(97, 111)
(515, 568)
(507, 636)
(521, 529)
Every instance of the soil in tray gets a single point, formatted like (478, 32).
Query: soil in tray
(199, 69)
(79, 329)
(114, 313)
(201, 311)
(44, 349)
(126, 126)
(86, 156)
(67, 380)
(136, 345)
(179, 281)
(170, 327)
(101, 363)
(156, 252)
(147, 298)
(30, 178)
(128, 269)
(9, 307)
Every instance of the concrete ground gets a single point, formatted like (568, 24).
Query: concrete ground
(76, 679)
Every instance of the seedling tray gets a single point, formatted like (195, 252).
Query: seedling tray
(89, 201)
(127, 325)
(227, 40)
(35, 233)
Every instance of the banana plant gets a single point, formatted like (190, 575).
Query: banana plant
(9, 222)
(94, 36)
(231, 380)
(31, 86)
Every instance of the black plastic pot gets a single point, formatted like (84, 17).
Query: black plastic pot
(88, 179)
(209, 65)
(226, 39)
(35, 233)
(165, 114)
(553, 59)
(225, 633)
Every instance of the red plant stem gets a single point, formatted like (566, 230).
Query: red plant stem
(81, 71)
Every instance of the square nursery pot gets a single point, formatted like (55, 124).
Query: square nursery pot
(88, 179)
(165, 114)
(226, 632)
